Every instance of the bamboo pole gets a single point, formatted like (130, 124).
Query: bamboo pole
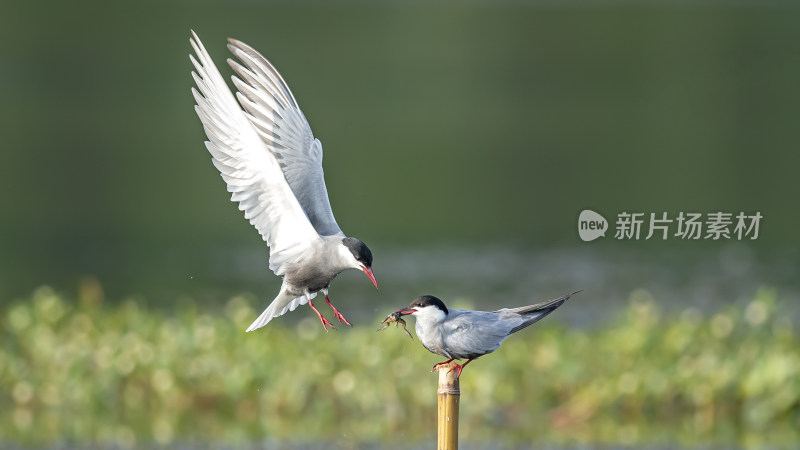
(449, 394)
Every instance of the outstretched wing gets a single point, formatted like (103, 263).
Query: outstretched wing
(248, 167)
(276, 116)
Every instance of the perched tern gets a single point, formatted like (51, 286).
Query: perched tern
(465, 334)
(265, 151)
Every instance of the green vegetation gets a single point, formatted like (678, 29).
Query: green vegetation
(78, 370)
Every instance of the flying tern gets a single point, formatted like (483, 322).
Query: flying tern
(465, 334)
(263, 147)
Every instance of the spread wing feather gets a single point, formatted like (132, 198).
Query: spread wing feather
(247, 164)
(277, 118)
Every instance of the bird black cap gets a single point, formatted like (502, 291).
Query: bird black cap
(359, 250)
(428, 300)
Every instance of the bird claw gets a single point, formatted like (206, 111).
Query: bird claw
(336, 314)
(438, 365)
(339, 316)
(457, 367)
(325, 322)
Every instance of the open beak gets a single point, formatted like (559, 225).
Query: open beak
(371, 275)
(405, 311)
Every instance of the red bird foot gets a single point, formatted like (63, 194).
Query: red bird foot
(457, 367)
(336, 313)
(325, 323)
(438, 365)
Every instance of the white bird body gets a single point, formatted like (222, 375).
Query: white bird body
(270, 160)
(466, 334)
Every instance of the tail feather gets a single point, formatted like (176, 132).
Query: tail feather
(537, 312)
(282, 304)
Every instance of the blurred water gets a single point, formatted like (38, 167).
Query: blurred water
(495, 277)
(481, 277)
(442, 122)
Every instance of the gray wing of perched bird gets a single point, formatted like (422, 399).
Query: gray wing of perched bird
(469, 334)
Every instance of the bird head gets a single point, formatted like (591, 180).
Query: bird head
(359, 257)
(426, 307)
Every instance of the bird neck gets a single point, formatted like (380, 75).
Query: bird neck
(430, 317)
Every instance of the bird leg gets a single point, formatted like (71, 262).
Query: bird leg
(324, 321)
(336, 313)
(460, 367)
(436, 366)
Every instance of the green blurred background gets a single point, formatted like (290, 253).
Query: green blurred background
(462, 139)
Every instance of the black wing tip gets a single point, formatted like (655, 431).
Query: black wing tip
(553, 303)
(539, 311)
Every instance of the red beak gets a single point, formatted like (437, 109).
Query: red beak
(371, 275)
(405, 311)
